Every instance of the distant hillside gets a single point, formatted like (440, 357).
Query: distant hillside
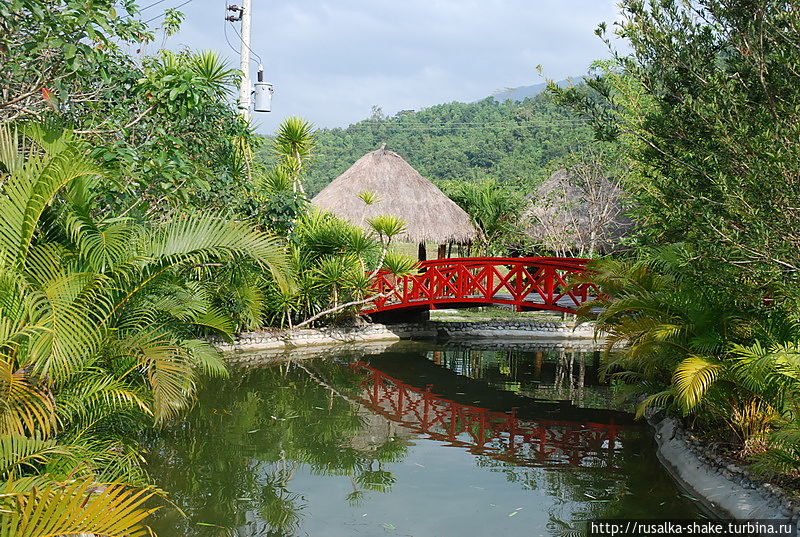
(518, 143)
(524, 92)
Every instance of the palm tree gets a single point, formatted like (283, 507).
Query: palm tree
(294, 144)
(98, 324)
(678, 346)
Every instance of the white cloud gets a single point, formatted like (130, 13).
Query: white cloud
(331, 60)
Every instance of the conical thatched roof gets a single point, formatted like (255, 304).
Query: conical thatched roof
(403, 192)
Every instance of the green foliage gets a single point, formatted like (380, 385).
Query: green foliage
(294, 145)
(54, 52)
(387, 226)
(163, 123)
(705, 104)
(99, 318)
(295, 142)
(400, 264)
(332, 262)
(511, 142)
(278, 199)
(683, 348)
(75, 507)
(178, 84)
(495, 211)
(369, 197)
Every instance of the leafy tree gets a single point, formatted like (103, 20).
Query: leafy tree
(495, 211)
(100, 318)
(163, 122)
(705, 103)
(511, 142)
(60, 54)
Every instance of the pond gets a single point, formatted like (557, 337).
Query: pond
(414, 439)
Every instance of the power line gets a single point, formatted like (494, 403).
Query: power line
(165, 11)
(246, 45)
(461, 123)
(151, 5)
(463, 127)
(225, 32)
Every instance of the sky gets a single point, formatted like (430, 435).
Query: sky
(332, 60)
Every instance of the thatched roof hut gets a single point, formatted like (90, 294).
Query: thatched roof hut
(402, 192)
(577, 214)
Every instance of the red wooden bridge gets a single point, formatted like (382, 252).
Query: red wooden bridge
(526, 283)
(503, 436)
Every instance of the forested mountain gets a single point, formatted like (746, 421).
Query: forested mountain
(523, 92)
(517, 143)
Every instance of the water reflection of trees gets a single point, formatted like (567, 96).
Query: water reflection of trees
(598, 492)
(236, 456)
(554, 374)
(233, 459)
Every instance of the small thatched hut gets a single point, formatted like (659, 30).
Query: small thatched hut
(577, 213)
(402, 192)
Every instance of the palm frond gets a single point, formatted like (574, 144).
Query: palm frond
(206, 358)
(692, 379)
(21, 453)
(77, 507)
(660, 399)
(27, 191)
(26, 407)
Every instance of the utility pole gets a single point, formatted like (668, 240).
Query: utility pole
(244, 65)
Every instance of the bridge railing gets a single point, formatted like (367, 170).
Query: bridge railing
(527, 282)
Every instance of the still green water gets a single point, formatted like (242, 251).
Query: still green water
(415, 440)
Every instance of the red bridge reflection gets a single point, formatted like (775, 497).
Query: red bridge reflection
(503, 436)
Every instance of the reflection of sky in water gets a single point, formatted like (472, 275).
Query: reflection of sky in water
(438, 491)
(292, 446)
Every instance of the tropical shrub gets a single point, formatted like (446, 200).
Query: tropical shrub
(99, 318)
(332, 262)
(703, 98)
(675, 344)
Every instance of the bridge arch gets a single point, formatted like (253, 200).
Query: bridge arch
(526, 283)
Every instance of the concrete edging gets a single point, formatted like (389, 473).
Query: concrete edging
(517, 330)
(725, 488)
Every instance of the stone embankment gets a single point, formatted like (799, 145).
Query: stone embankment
(723, 486)
(508, 331)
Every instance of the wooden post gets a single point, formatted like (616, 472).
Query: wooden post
(422, 254)
(442, 253)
